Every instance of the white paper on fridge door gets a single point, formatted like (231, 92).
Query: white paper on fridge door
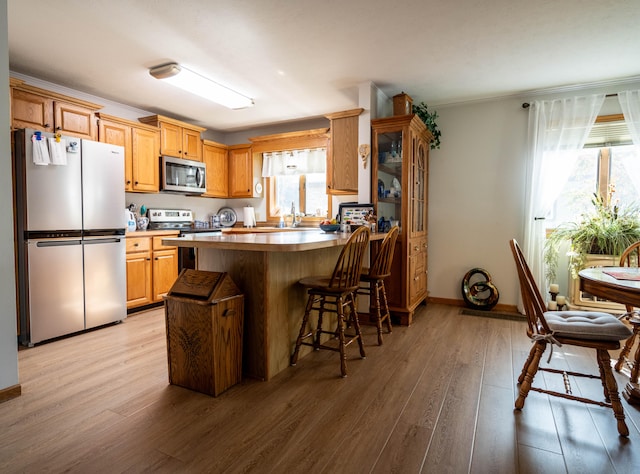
(40, 152)
(58, 150)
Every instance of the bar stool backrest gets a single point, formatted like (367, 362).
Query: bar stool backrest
(381, 267)
(346, 274)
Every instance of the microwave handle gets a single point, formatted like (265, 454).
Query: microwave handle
(199, 177)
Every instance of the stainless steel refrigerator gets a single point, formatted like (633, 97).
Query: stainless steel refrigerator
(70, 236)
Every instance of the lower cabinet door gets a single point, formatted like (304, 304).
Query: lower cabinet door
(138, 279)
(165, 272)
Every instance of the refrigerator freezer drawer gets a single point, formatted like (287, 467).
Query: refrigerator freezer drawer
(56, 299)
(105, 281)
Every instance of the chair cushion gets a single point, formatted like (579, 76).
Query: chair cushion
(588, 325)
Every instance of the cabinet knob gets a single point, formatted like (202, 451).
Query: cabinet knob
(136, 183)
(58, 128)
(147, 259)
(136, 244)
(129, 181)
(46, 125)
(416, 248)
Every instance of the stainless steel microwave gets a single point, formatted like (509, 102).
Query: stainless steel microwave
(183, 176)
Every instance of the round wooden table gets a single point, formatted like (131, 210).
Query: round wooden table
(621, 285)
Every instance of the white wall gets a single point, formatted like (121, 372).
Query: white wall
(476, 195)
(8, 340)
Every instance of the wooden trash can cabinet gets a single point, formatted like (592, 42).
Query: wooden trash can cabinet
(204, 313)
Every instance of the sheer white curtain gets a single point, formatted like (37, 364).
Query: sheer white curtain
(557, 128)
(630, 105)
(294, 162)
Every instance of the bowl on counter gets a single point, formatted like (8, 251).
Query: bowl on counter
(330, 227)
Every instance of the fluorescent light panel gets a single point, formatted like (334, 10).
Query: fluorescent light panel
(193, 82)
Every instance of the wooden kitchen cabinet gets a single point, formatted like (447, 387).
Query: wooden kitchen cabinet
(151, 269)
(177, 138)
(400, 172)
(165, 268)
(48, 111)
(141, 150)
(215, 158)
(139, 277)
(240, 171)
(342, 153)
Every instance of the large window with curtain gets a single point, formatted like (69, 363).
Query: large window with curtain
(560, 160)
(296, 178)
(608, 165)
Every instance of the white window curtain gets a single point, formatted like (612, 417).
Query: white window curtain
(557, 128)
(294, 162)
(630, 105)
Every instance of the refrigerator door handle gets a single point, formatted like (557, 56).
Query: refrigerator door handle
(54, 243)
(102, 240)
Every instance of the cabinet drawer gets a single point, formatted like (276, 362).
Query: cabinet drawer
(417, 245)
(157, 242)
(138, 244)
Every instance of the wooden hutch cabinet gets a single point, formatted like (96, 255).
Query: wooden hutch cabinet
(400, 167)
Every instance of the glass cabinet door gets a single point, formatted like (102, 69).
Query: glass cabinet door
(419, 187)
(389, 191)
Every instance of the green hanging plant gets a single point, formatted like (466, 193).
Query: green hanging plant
(429, 119)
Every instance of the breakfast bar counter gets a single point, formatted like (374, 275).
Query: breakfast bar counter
(266, 267)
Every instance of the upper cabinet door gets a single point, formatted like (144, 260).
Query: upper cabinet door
(31, 111)
(214, 156)
(145, 167)
(342, 156)
(74, 120)
(191, 145)
(240, 171)
(170, 139)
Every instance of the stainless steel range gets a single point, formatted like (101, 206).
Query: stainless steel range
(182, 221)
(178, 219)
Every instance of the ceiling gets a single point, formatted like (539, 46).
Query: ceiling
(302, 58)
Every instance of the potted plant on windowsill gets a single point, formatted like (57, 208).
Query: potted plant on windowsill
(606, 230)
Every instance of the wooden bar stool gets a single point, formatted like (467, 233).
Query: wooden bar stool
(334, 294)
(372, 282)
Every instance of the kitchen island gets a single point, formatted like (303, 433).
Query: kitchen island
(267, 267)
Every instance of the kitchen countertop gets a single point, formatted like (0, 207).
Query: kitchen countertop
(150, 233)
(266, 241)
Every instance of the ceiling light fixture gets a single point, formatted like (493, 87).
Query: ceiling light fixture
(193, 82)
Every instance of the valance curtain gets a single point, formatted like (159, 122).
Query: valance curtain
(294, 162)
(557, 130)
(630, 105)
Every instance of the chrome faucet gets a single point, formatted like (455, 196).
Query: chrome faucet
(294, 219)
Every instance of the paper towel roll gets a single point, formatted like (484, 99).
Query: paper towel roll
(249, 217)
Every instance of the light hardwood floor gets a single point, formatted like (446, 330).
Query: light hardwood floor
(437, 397)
